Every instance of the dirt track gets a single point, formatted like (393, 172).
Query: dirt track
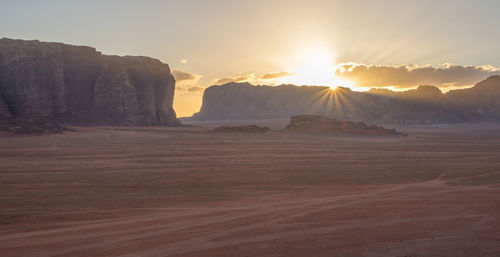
(441, 198)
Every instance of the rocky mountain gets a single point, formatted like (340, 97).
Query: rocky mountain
(245, 101)
(62, 83)
(426, 104)
(422, 93)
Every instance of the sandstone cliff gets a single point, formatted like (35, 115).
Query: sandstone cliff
(79, 85)
(426, 104)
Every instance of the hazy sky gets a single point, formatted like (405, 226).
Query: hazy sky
(245, 40)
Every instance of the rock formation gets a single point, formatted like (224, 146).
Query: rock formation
(424, 105)
(61, 83)
(242, 129)
(239, 101)
(319, 124)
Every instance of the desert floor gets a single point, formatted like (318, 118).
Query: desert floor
(155, 192)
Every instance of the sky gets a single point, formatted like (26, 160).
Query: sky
(356, 43)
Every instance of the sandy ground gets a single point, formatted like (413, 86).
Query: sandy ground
(191, 192)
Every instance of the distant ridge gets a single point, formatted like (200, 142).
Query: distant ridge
(424, 105)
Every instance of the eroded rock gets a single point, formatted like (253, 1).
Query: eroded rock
(62, 83)
(319, 124)
(242, 129)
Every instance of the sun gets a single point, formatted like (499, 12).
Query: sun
(315, 66)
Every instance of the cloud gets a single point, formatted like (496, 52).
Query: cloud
(244, 78)
(195, 89)
(183, 77)
(276, 75)
(406, 76)
(252, 78)
(190, 89)
(186, 82)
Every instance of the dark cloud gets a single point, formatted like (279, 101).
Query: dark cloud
(195, 89)
(276, 75)
(405, 76)
(189, 89)
(182, 76)
(233, 79)
(186, 82)
(252, 78)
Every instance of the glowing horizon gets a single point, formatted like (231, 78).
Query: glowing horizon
(315, 66)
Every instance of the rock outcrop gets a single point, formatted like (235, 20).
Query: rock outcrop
(22, 126)
(242, 129)
(319, 124)
(62, 83)
(424, 105)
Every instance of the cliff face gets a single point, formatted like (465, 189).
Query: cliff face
(245, 101)
(76, 84)
(426, 104)
(241, 101)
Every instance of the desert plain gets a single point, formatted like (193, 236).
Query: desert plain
(188, 191)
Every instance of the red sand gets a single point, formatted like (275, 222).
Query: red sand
(446, 204)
